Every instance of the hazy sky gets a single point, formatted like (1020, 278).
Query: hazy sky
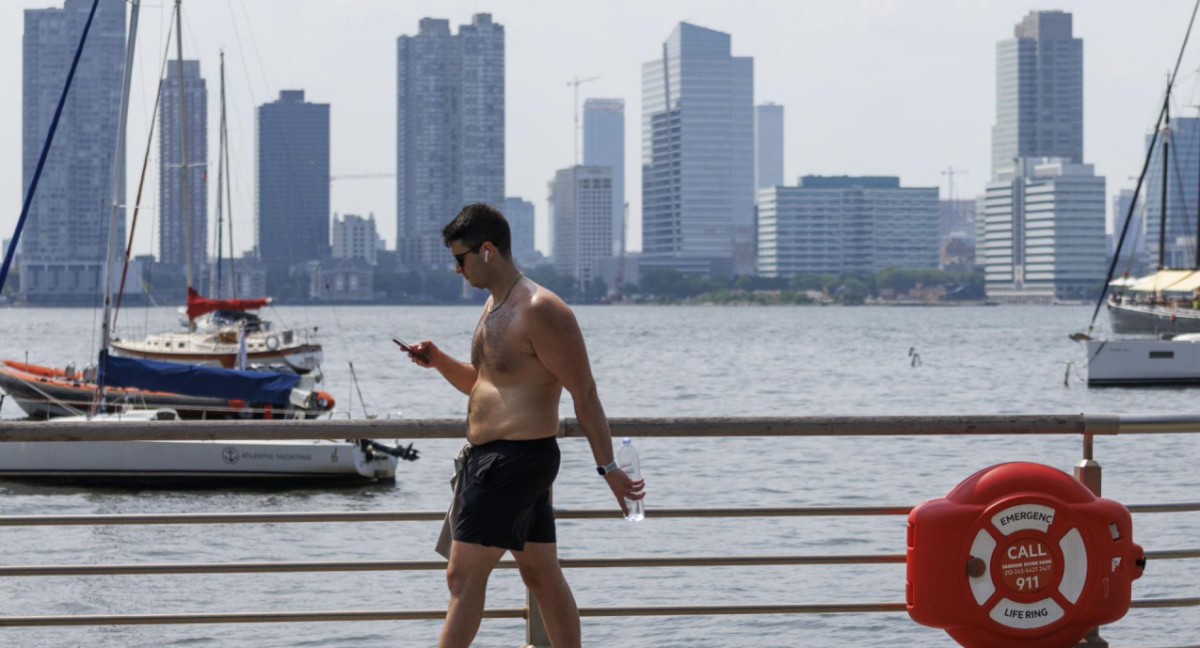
(874, 87)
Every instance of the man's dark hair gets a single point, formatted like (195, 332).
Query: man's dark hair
(477, 224)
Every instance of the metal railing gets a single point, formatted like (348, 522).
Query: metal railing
(1088, 471)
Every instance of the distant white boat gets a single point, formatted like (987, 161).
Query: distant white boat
(194, 463)
(1144, 361)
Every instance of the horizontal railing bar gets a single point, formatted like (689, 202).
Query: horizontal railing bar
(642, 427)
(1166, 602)
(706, 610)
(243, 617)
(1159, 424)
(855, 426)
(220, 518)
(1176, 554)
(437, 516)
(438, 565)
(766, 511)
(1182, 507)
(497, 613)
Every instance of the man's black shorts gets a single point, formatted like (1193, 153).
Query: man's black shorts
(506, 499)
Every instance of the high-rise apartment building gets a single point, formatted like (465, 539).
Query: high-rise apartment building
(449, 131)
(520, 216)
(1039, 92)
(604, 145)
(698, 156)
(768, 145)
(837, 224)
(293, 182)
(1133, 251)
(1183, 167)
(582, 199)
(65, 236)
(174, 228)
(355, 237)
(1043, 233)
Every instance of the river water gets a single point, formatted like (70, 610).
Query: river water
(651, 361)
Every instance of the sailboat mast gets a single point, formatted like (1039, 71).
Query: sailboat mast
(186, 202)
(118, 178)
(1162, 220)
(228, 189)
(215, 283)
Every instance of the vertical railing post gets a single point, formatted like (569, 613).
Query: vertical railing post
(1088, 472)
(535, 627)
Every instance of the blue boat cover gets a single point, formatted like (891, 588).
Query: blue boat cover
(192, 380)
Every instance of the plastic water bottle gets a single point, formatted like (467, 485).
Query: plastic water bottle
(627, 461)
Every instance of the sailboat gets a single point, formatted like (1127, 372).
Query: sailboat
(1172, 355)
(1163, 302)
(186, 460)
(217, 329)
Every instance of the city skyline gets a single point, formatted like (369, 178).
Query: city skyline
(931, 65)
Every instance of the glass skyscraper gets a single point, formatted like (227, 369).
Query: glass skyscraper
(293, 182)
(698, 156)
(520, 216)
(1183, 168)
(449, 131)
(1039, 92)
(768, 145)
(63, 245)
(604, 145)
(171, 239)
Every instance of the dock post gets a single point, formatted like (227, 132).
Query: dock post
(1088, 472)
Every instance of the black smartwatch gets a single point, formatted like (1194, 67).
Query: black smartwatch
(604, 470)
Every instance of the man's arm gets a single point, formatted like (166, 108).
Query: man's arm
(559, 345)
(459, 374)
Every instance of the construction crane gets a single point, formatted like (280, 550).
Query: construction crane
(950, 172)
(576, 82)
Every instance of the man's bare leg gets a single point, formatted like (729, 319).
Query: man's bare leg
(543, 576)
(467, 576)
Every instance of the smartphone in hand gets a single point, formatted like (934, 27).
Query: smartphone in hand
(411, 351)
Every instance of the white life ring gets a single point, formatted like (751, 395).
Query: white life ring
(272, 342)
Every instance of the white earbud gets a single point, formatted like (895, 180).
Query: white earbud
(486, 256)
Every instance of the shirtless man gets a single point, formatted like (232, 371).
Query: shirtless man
(527, 347)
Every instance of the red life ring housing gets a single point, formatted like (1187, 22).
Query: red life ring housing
(1020, 554)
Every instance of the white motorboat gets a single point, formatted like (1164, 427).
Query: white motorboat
(196, 463)
(1144, 361)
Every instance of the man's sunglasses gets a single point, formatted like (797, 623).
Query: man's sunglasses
(462, 256)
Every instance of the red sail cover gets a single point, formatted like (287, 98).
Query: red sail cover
(198, 305)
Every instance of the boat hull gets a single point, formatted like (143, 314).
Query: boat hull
(1143, 362)
(302, 358)
(217, 463)
(1130, 318)
(44, 393)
